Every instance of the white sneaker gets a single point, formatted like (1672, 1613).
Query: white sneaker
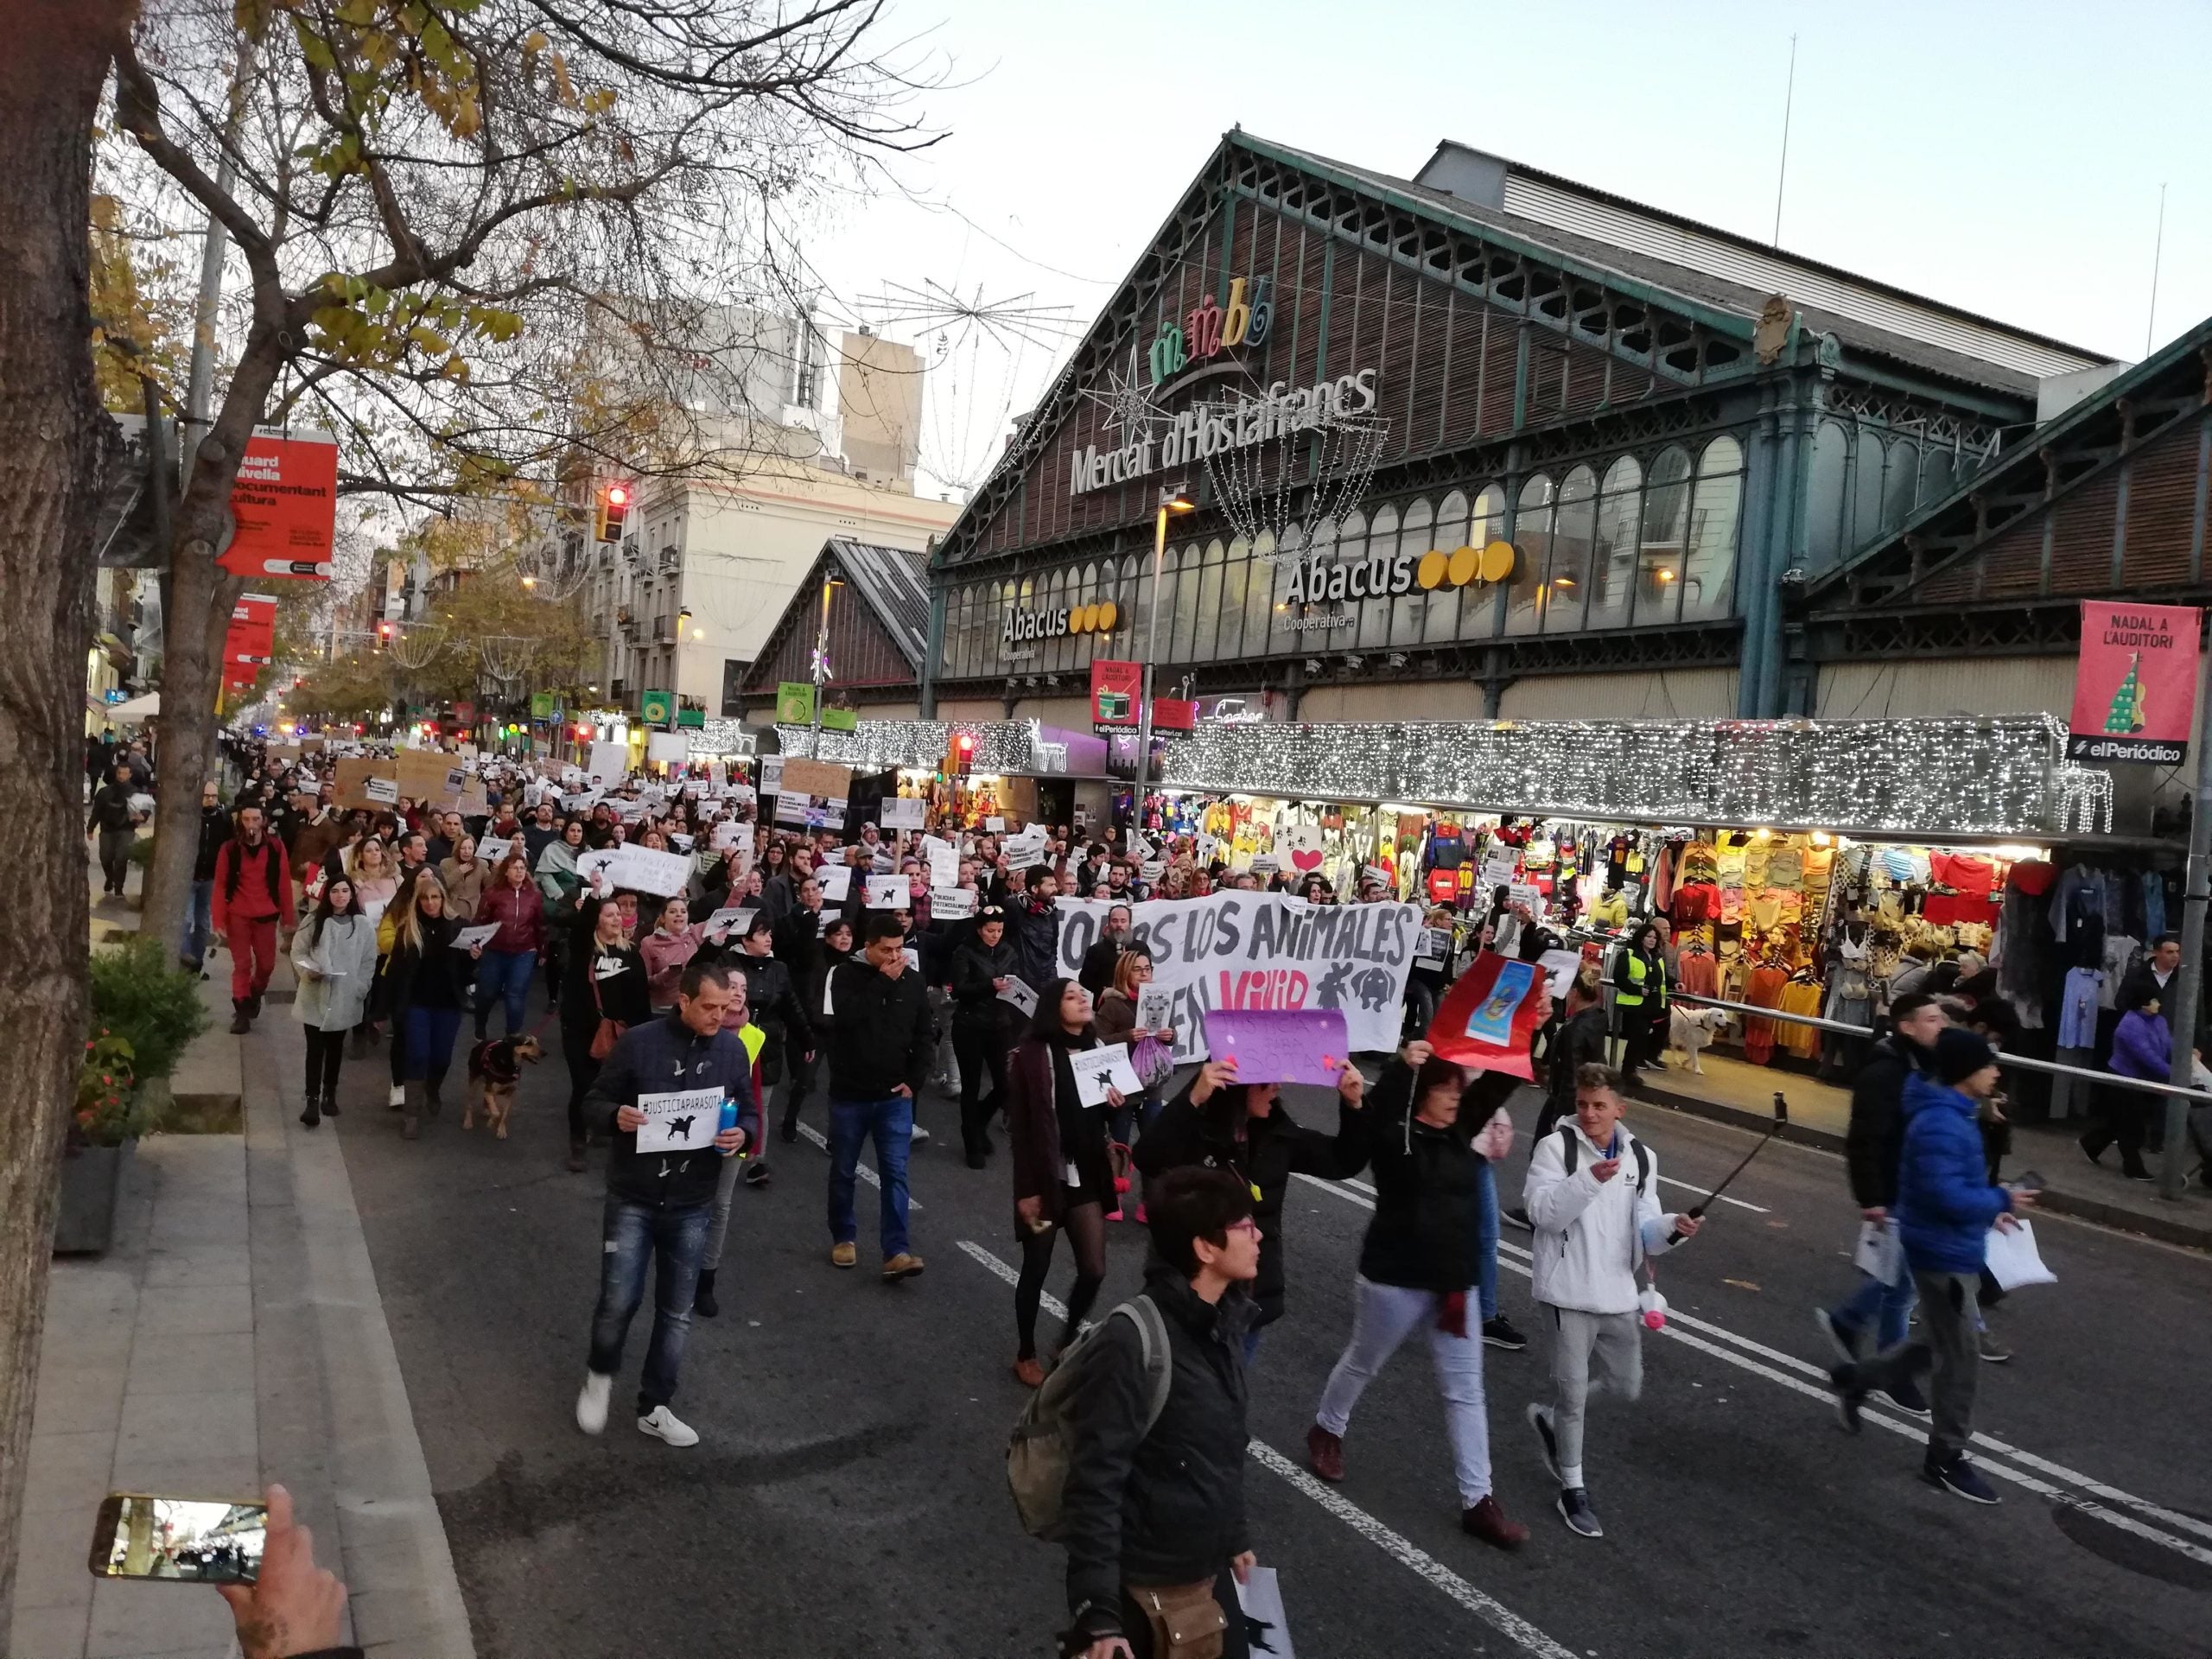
(398, 1097)
(665, 1425)
(921, 1134)
(591, 1403)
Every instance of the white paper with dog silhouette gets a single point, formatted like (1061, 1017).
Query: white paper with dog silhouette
(480, 933)
(493, 850)
(835, 881)
(887, 893)
(730, 919)
(684, 1121)
(1562, 966)
(1259, 1598)
(1096, 1070)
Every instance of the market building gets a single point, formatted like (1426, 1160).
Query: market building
(1482, 443)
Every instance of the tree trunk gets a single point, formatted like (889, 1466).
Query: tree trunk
(53, 455)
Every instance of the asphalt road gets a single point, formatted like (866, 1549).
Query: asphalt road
(847, 1499)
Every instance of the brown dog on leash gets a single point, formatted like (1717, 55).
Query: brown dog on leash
(494, 1068)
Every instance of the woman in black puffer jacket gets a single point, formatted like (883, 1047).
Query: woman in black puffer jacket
(982, 1026)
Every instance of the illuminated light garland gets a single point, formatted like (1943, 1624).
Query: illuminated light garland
(1999, 776)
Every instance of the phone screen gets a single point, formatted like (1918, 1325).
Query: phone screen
(198, 1541)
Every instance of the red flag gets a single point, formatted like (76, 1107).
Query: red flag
(1488, 1018)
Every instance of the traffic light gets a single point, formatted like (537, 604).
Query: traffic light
(614, 509)
(384, 632)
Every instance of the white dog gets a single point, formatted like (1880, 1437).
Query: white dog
(1692, 1030)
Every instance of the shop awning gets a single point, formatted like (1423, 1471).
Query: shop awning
(138, 709)
(1024, 748)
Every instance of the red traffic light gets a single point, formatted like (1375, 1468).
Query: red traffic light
(617, 495)
(584, 730)
(967, 742)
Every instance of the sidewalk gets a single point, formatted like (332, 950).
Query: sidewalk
(233, 1335)
(1735, 1091)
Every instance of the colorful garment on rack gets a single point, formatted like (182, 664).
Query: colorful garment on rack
(1800, 996)
(1764, 990)
(1699, 974)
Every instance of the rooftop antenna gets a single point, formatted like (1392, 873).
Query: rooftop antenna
(2157, 253)
(1789, 98)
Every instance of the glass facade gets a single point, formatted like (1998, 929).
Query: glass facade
(1638, 542)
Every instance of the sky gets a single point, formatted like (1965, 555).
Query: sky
(2003, 159)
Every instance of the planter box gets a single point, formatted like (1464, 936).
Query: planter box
(92, 1177)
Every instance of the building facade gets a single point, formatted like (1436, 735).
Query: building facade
(1482, 443)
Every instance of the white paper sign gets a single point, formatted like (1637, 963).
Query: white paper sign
(383, 790)
(1435, 948)
(684, 1121)
(1498, 864)
(995, 825)
(944, 861)
(1526, 893)
(1562, 966)
(1025, 855)
(681, 844)
(1098, 1069)
(951, 903)
(730, 922)
(1139, 846)
(1018, 992)
(1155, 1005)
(903, 813)
(887, 893)
(671, 746)
(771, 775)
(724, 836)
(835, 881)
(608, 762)
(1259, 1597)
(590, 863)
(1880, 1253)
(579, 803)
(1153, 870)
(493, 849)
(478, 933)
(2013, 1258)
(643, 869)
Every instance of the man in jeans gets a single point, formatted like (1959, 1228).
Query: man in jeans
(879, 1054)
(214, 830)
(663, 1201)
(1872, 1144)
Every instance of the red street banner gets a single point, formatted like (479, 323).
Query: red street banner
(1174, 714)
(1490, 1016)
(2135, 686)
(1115, 689)
(251, 637)
(285, 503)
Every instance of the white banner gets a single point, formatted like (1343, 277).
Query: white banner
(644, 869)
(1265, 951)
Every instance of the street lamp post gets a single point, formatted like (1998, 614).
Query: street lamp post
(1174, 499)
(830, 584)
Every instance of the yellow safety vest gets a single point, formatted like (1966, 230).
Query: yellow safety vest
(1632, 995)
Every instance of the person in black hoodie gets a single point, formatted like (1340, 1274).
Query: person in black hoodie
(982, 1028)
(1218, 1123)
(661, 1203)
(1153, 1517)
(773, 994)
(1421, 1258)
(1873, 1317)
(604, 978)
(877, 1065)
(116, 823)
(1033, 923)
(429, 982)
(214, 830)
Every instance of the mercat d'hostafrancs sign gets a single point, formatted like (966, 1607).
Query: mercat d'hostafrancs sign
(1206, 429)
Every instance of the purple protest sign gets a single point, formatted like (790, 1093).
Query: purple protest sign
(1280, 1046)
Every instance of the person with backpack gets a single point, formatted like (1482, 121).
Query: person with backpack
(1419, 1259)
(1579, 1042)
(1593, 1194)
(1219, 1124)
(1132, 1454)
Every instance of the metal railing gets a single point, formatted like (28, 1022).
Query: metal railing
(2049, 1068)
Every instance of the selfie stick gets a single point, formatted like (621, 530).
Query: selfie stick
(1696, 1211)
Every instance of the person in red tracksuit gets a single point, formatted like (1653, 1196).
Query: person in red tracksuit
(253, 892)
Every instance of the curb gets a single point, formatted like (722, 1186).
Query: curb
(2167, 1230)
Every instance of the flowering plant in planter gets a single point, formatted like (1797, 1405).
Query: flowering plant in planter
(108, 1111)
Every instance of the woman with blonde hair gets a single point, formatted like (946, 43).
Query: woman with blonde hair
(463, 876)
(429, 980)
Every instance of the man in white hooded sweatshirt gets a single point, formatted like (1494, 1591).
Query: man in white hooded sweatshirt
(1593, 1196)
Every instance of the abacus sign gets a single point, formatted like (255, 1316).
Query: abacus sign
(2135, 685)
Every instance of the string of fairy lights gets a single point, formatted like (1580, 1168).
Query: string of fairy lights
(1997, 776)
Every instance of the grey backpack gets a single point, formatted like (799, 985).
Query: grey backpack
(1041, 1448)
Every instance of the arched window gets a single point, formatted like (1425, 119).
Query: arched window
(1825, 507)
(1260, 586)
(1206, 626)
(1612, 553)
(1900, 483)
(1709, 580)
(1441, 611)
(1659, 547)
(1235, 580)
(1532, 535)
(1478, 599)
(1567, 583)
(1865, 489)
(1372, 629)
(1415, 537)
(1937, 478)
(1180, 597)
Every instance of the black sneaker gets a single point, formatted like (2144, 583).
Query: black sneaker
(1574, 1509)
(1906, 1396)
(1961, 1476)
(1844, 1336)
(756, 1174)
(1848, 1397)
(702, 1299)
(789, 1129)
(1519, 1217)
(1539, 1419)
(1500, 1333)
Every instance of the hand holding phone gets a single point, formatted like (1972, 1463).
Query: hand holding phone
(295, 1606)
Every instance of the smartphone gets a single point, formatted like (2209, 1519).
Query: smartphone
(185, 1539)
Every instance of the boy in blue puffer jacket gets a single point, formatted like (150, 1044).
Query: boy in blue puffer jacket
(1946, 1207)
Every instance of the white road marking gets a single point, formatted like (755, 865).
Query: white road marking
(1909, 1428)
(1408, 1553)
(1687, 1187)
(860, 1170)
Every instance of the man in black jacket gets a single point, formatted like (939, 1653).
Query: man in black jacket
(661, 1202)
(1148, 1511)
(116, 823)
(214, 830)
(1871, 1146)
(1100, 961)
(879, 1055)
(1032, 922)
(773, 994)
(797, 942)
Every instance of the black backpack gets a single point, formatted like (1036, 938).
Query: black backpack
(1570, 1154)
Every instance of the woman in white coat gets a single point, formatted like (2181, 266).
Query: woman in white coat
(335, 957)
